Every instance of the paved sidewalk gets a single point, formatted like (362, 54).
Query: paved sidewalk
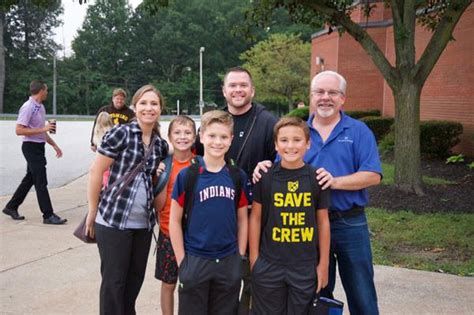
(45, 270)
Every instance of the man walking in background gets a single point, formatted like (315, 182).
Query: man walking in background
(118, 111)
(31, 125)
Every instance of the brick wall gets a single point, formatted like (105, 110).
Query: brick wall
(448, 93)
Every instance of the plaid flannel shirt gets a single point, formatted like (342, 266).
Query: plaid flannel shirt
(124, 144)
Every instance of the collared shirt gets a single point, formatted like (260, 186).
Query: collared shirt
(32, 115)
(124, 144)
(350, 148)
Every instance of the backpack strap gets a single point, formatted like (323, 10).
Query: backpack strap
(191, 178)
(234, 171)
(266, 188)
(164, 177)
(189, 188)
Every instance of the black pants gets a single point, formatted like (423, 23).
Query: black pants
(279, 289)
(209, 286)
(35, 175)
(123, 258)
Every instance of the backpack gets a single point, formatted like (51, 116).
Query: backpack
(190, 182)
(164, 177)
(267, 182)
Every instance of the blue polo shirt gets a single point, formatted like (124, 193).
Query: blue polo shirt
(350, 148)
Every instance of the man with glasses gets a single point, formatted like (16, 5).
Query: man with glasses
(345, 152)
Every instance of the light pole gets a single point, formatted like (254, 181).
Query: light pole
(201, 102)
(54, 85)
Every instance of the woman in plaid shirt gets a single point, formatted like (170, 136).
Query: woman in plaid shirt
(123, 223)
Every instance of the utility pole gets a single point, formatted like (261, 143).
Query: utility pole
(54, 85)
(201, 101)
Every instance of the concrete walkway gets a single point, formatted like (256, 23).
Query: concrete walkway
(45, 270)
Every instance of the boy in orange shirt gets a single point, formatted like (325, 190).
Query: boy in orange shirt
(181, 134)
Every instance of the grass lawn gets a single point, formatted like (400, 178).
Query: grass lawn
(442, 242)
(389, 173)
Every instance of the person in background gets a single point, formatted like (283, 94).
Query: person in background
(31, 125)
(118, 111)
(103, 124)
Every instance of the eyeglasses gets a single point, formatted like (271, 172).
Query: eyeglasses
(331, 93)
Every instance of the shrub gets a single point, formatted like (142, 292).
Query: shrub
(387, 144)
(380, 126)
(357, 114)
(438, 137)
(302, 113)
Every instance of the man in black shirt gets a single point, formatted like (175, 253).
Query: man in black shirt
(118, 111)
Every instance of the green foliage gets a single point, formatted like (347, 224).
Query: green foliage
(380, 126)
(279, 68)
(302, 113)
(29, 47)
(358, 114)
(455, 159)
(433, 242)
(439, 137)
(471, 166)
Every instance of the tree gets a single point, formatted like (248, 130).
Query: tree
(406, 77)
(279, 67)
(28, 45)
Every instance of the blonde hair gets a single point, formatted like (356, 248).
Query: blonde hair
(293, 122)
(217, 116)
(181, 120)
(103, 124)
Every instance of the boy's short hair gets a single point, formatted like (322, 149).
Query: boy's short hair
(217, 116)
(119, 92)
(291, 121)
(182, 120)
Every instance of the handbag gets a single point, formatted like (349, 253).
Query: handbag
(325, 306)
(80, 231)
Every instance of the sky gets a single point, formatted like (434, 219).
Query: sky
(73, 16)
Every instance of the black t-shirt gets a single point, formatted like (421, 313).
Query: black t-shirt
(290, 232)
(241, 126)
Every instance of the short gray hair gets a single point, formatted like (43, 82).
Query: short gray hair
(342, 81)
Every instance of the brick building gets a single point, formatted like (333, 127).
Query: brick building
(448, 93)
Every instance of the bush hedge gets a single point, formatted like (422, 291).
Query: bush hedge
(437, 138)
(358, 114)
(302, 112)
(380, 126)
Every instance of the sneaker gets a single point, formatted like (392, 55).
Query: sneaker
(13, 213)
(54, 219)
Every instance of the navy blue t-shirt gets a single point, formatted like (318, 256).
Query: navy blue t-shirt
(212, 227)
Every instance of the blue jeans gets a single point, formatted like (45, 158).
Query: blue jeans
(350, 246)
